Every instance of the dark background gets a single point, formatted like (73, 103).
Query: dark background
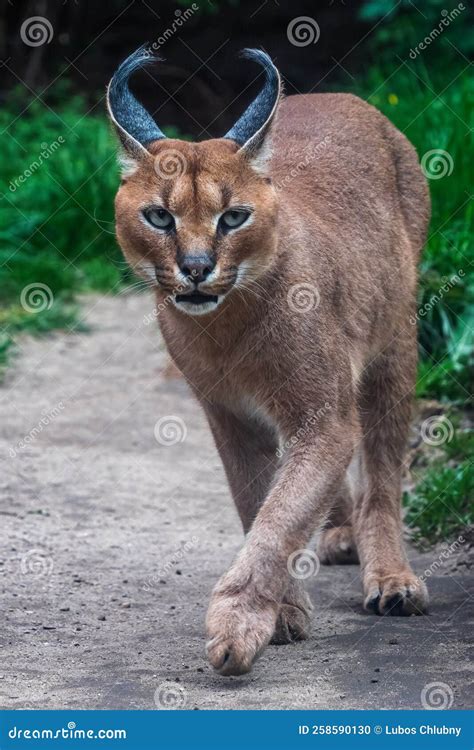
(91, 38)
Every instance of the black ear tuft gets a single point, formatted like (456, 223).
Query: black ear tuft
(135, 126)
(250, 129)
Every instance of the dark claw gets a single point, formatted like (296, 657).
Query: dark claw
(394, 606)
(373, 604)
(226, 658)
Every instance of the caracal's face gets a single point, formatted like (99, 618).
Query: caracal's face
(197, 220)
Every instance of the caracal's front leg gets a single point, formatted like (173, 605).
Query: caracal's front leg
(249, 452)
(246, 602)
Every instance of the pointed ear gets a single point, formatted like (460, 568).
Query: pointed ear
(259, 155)
(128, 165)
(252, 131)
(135, 127)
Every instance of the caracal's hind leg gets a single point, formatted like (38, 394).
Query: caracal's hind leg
(337, 544)
(390, 585)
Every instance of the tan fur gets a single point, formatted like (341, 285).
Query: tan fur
(343, 209)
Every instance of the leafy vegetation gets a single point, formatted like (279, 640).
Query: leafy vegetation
(429, 94)
(439, 506)
(439, 123)
(441, 502)
(56, 215)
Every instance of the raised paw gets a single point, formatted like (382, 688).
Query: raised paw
(337, 546)
(239, 627)
(398, 594)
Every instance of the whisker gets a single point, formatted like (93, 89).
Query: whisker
(140, 285)
(243, 285)
(250, 291)
(101, 222)
(242, 297)
(260, 288)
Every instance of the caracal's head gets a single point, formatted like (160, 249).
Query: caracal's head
(197, 220)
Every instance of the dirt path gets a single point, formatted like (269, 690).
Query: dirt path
(112, 541)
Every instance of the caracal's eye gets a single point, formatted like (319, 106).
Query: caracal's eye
(233, 218)
(159, 218)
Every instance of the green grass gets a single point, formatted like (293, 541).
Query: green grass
(446, 298)
(5, 348)
(58, 179)
(441, 504)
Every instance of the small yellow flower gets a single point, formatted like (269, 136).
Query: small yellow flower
(393, 99)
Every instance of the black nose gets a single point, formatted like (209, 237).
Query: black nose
(197, 267)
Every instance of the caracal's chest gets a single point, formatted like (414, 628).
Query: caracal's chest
(249, 380)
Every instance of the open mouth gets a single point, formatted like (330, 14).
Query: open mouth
(197, 298)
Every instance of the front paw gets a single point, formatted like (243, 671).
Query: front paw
(239, 626)
(401, 593)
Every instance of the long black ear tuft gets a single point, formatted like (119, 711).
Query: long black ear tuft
(251, 128)
(135, 126)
